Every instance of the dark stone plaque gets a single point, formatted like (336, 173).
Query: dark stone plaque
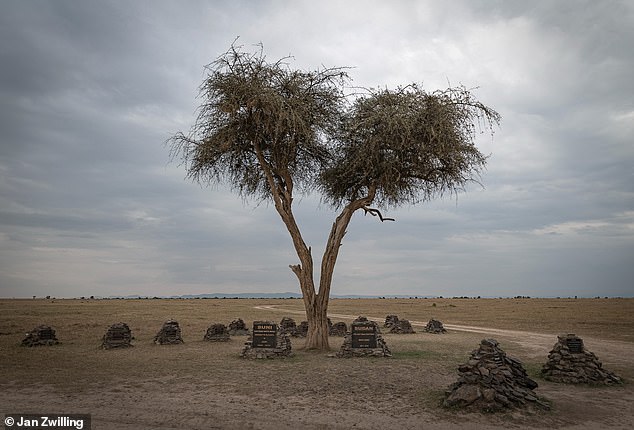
(363, 335)
(46, 334)
(264, 335)
(575, 345)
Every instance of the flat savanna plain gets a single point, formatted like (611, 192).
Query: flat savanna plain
(202, 385)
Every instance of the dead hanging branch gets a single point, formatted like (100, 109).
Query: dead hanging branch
(376, 212)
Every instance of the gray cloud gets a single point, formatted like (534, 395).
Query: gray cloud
(90, 205)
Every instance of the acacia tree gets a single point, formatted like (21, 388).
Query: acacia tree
(269, 131)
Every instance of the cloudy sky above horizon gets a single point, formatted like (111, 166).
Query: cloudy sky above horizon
(90, 203)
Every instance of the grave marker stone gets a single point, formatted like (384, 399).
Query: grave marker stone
(118, 335)
(40, 335)
(571, 363)
(363, 335)
(264, 335)
(363, 340)
(267, 341)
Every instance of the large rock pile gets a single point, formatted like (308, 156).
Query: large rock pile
(118, 335)
(435, 326)
(363, 340)
(42, 335)
(217, 333)
(170, 334)
(491, 381)
(569, 362)
(267, 340)
(237, 327)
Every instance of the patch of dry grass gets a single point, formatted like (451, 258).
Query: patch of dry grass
(80, 324)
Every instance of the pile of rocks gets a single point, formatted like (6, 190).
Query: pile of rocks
(289, 327)
(42, 335)
(435, 326)
(569, 362)
(390, 321)
(217, 333)
(492, 381)
(398, 326)
(118, 335)
(338, 329)
(267, 340)
(302, 329)
(238, 328)
(170, 334)
(363, 340)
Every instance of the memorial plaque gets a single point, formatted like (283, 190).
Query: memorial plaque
(264, 335)
(363, 335)
(575, 345)
(46, 334)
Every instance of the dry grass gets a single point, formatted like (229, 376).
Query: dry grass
(422, 368)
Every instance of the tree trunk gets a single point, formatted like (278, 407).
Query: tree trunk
(317, 337)
(316, 303)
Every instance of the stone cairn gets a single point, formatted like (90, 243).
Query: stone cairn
(267, 340)
(390, 321)
(492, 381)
(398, 326)
(302, 329)
(569, 362)
(118, 335)
(238, 328)
(170, 334)
(435, 326)
(338, 329)
(217, 333)
(289, 327)
(42, 335)
(363, 340)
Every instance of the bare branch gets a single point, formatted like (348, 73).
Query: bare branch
(376, 212)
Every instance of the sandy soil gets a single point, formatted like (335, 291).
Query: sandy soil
(313, 392)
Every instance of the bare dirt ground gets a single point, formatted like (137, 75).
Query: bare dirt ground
(200, 385)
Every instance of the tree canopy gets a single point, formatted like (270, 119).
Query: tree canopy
(257, 114)
(407, 145)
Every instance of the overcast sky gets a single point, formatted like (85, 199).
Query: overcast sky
(91, 205)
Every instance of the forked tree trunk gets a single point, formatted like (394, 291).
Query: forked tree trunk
(317, 337)
(315, 302)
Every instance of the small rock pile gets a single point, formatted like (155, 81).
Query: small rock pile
(338, 329)
(238, 328)
(282, 348)
(170, 334)
(347, 350)
(118, 335)
(302, 329)
(492, 381)
(390, 321)
(289, 327)
(435, 326)
(42, 335)
(569, 362)
(217, 333)
(402, 327)
(398, 326)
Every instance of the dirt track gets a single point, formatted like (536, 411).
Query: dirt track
(538, 343)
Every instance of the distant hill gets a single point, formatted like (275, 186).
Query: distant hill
(285, 295)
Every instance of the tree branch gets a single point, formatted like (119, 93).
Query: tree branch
(376, 212)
